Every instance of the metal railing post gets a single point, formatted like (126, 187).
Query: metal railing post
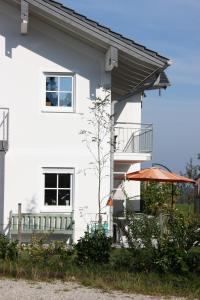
(4, 127)
(19, 223)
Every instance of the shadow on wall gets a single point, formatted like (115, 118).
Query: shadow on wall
(32, 205)
(52, 45)
(120, 106)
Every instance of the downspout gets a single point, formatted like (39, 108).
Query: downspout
(112, 132)
(2, 181)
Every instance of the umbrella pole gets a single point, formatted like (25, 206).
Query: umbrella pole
(172, 195)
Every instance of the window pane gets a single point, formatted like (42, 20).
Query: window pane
(51, 99)
(50, 197)
(51, 83)
(65, 99)
(63, 197)
(64, 181)
(65, 84)
(50, 180)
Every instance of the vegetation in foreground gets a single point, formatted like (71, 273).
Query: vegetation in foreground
(108, 279)
(167, 264)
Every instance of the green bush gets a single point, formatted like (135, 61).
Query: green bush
(192, 231)
(143, 260)
(12, 251)
(170, 258)
(56, 256)
(8, 250)
(59, 257)
(132, 260)
(193, 259)
(140, 230)
(121, 259)
(181, 234)
(3, 246)
(164, 251)
(157, 197)
(93, 248)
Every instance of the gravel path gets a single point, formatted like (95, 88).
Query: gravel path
(25, 290)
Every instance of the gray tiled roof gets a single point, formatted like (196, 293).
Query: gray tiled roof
(105, 29)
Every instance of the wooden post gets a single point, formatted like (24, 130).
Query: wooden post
(19, 223)
(173, 202)
(161, 224)
(10, 224)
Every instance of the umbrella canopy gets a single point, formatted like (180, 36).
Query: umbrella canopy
(157, 174)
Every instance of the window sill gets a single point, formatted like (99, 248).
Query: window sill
(58, 110)
(56, 209)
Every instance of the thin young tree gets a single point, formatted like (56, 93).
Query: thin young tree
(98, 140)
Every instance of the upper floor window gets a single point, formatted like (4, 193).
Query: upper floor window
(59, 92)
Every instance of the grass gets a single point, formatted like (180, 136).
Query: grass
(185, 209)
(108, 280)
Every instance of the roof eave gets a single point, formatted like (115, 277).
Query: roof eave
(106, 39)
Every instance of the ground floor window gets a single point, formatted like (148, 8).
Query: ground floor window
(58, 187)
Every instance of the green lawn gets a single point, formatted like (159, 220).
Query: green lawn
(185, 208)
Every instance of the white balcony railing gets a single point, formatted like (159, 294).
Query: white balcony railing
(133, 138)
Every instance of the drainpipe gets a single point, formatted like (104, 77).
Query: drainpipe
(2, 180)
(112, 132)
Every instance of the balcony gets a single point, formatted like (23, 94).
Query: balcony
(4, 122)
(133, 142)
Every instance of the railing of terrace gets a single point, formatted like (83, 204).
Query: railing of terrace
(43, 223)
(133, 138)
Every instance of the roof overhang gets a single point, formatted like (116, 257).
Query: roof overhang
(136, 69)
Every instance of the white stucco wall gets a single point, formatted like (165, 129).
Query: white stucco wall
(128, 112)
(40, 139)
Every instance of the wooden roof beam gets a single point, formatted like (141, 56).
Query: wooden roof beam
(24, 17)
(126, 78)
(111, 59)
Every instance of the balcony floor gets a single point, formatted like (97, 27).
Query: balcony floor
(132, 157)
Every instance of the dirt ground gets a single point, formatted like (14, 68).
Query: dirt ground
(20, 289)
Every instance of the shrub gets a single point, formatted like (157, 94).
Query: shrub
(8, 250)
(59, 257)
(143, 260)
(176, 229)
(3, 246)
(170, 257)
(157, 197)
(93, 248)
(133, 260)
(192, 231)
(56, 256)
(193, 259)
(121, 259)
(12, 251)
(140, 230)
(166, 252)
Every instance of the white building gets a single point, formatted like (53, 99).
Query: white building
(53, 63)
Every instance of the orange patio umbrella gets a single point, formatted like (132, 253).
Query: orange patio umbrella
(159, 175)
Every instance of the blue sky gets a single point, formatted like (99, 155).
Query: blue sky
(171, 28)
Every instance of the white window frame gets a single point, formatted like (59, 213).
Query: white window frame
(58, 108)
(58, 208)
